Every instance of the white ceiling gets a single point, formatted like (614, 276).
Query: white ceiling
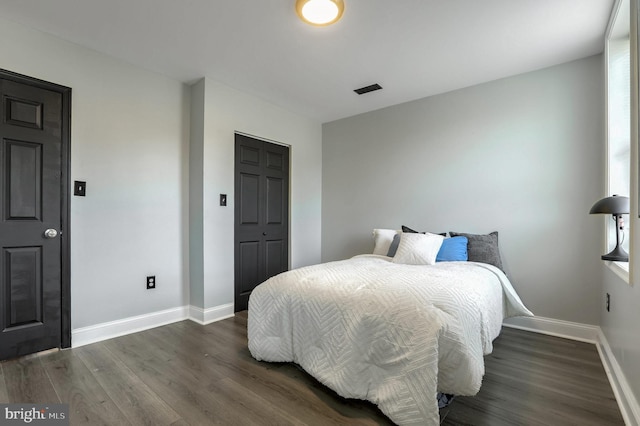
(412, 48)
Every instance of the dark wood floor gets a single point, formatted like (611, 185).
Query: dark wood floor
(187, 374)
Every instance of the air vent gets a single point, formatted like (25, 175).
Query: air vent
(372, 88)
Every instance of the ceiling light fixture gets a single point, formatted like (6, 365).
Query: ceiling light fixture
(320, 12)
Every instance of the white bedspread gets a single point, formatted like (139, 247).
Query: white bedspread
(391, 334)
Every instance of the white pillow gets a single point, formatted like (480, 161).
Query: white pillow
(418, 249)
(382, 240)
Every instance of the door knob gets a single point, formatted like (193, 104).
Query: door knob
(264, 233)
(50, 233)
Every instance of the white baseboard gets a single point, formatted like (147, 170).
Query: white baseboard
(553, 327)
(207, 316)
(108, 330)
(628, 403)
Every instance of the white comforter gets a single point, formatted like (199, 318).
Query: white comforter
(391, 334)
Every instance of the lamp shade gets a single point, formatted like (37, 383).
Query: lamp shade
(611, 205)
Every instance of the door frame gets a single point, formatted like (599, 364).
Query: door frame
(65, 204)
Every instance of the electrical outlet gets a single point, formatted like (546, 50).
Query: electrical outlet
(608, 302)
(151, 282)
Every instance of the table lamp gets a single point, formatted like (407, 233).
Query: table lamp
(616, 206)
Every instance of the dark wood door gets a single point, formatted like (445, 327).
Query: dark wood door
(33, 137)
(261, 214)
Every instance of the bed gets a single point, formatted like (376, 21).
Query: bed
(391, 333)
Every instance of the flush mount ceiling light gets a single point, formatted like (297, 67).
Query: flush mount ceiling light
(320, 12)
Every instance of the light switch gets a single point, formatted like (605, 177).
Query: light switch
(79, 188)
(223, 199)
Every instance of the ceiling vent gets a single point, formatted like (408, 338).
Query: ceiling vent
(367, 89)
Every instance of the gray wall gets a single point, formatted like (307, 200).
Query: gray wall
(156, 154)
(227, 110)
(196, 196)
(621, 324)
(129, 142)
(521, 155)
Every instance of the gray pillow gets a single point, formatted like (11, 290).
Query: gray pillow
(482, 248)
(393, 248)
(411, 231)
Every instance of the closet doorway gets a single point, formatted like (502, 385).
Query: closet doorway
(261, 214)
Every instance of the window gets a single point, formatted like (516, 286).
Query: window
(618, 74)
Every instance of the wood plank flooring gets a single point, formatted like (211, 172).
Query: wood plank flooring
(533, 379)
(187, 374)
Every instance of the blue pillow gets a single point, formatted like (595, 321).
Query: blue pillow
(453, 249)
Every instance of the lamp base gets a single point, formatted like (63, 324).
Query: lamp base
(617, 255)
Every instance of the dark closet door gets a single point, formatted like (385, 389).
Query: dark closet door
(32, 206)
(261, 214)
